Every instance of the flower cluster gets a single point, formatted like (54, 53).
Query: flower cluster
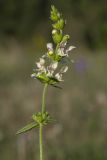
(48, 68)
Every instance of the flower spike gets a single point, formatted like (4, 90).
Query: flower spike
(48, 68)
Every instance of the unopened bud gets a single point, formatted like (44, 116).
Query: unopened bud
(59, 24)
(54, 31)
(57, 37)
(55, 15)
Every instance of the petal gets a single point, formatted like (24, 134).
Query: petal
(60, 52)
(54, 65)
(38, 65)
(58, 76)
(42, 61)
(50, 73)
(70, 48)
(49, 46)
(64, 69)
(33, 75)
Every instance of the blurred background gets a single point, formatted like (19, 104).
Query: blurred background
(80, 108)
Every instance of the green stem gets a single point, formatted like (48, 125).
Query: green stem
(40, 126)
(40, 141)
(43, 97)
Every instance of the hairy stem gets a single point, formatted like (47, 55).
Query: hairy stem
(43, 97)
(40, 126)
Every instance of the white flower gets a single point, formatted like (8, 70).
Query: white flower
(60, 52)
(42, 61)
(40, 65)
(50, 46)
(58, 76)
(50, 69)
(50, 73)
(40, 68)
(54, 65)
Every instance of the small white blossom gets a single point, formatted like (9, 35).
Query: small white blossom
(50, 73)
(50, 46)
(58, 76)
(60, 52)
(42, 61)
(51, 69)
(40, 65)
(54, 65)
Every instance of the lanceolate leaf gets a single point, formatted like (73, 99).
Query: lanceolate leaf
(52, 120)
(57, 86)
(27, 128)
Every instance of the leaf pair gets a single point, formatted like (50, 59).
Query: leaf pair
(39, 118)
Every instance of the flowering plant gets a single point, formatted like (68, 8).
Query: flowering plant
(49, 70)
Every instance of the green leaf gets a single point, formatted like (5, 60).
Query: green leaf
(27, 128)
(52, 120)
(57, 86)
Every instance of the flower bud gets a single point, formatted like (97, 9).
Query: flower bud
(55, 15)
(66, 38)
(54, 31)
(50, 53)
(57, 36)
(59, 24)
